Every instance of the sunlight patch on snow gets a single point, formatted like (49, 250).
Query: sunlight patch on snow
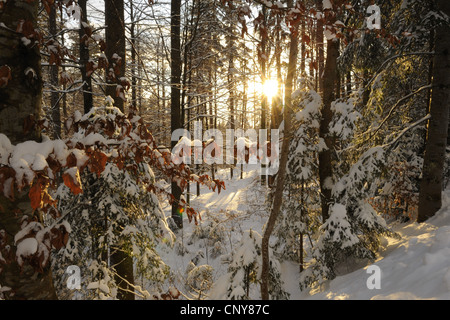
(417, 266)
(414, 267)
(333, 296)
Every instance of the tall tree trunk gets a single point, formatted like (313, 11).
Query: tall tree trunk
(54, 80)
(278, 193)
(264, 101)
(20, 99)
(302, 215)
(277, 103)
(320, 49)
(330, 75)
(430, 196)
(303, 49)
(84, 58)
(133, 57)
(139, 90)
(231, 84)
(64, 98)
(277, 116)
(115, 48)
(175, 82)
(115, 52)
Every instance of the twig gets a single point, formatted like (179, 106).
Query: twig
(397, 104)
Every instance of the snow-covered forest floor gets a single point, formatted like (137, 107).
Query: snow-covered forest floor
(415, 267)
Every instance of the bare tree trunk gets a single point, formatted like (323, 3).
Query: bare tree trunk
(54, 80)
(430, 196)
(139, 90)
(115, 48)
(278, 193)
(133, 57)
(64, 98)
(115, 52)
(325, 157)
(320, 48)
(277, 103)
(84, 58)
(25, 282)
(231, 83)
(20, 99)
(277, 116)
(302, 215)
(303, 49)
(175, 57)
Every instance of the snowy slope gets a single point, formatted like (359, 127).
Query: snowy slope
(228, 215)
(415, 267)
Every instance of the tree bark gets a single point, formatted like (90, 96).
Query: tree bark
(430, 196)
(20, 100)
(133, 57)
(325, 157)
(25, 282)
(54, 80)
(84, 58)
(320, 49)
(115, 44)
(264, 101)
(277, 115)
(22, 97)
(231, 84)
(175, 103)
(278, 193)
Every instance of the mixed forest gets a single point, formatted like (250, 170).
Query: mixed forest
(353, 96)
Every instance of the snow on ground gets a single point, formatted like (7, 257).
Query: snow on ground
(415, 267)
(235, 210)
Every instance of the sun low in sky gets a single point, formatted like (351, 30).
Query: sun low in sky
(270, 89)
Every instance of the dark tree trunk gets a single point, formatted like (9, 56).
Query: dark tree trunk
(134, 61)
(84, 58)
(430, 196)
(231, 85)
(330, 75)
(264, 101)
(320, 49)
(277, 115)
(54, 80)
(175, 118)
(115, 44)
(278, 193)
(115, 52)
(20, 99)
